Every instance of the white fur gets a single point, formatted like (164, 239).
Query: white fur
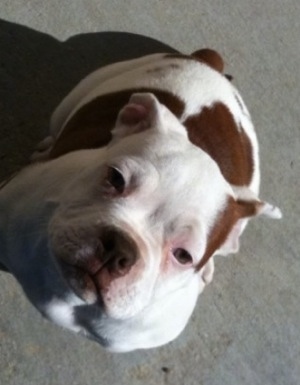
(61, 312)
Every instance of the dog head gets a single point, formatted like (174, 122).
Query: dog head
(135, 228)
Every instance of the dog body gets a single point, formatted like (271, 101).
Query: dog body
(151, 169)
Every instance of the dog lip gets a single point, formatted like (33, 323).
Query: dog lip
(81, 278)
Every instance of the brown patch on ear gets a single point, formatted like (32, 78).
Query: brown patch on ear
(214, 130)
(210, 57)
(91, 126)
(247, 209)
(234, 210)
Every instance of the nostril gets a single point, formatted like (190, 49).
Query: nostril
(121, 264)
(119, 252)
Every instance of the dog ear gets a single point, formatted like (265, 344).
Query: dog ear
(210, 57)
(94, 124)
(246, 206)
(141, 112)
(249, 205)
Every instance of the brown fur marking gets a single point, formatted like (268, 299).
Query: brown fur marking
(210, 57)
(215, 131)
(91, 125)
(220, 231)
(234, 210)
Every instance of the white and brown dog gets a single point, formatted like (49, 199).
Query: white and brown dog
(151, 169)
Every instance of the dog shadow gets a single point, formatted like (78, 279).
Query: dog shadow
(37, 71)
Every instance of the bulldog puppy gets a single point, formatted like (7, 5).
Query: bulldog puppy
(150, 170)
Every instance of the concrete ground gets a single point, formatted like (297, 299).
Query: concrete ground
(246, 327)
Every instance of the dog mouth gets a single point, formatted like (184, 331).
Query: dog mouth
(82, 275)
(88, 269)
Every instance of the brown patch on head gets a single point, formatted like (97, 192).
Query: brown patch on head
(210, 57)
(233, 211)
(90, 126)
(215, 131)
(179, 56)
(220, 231)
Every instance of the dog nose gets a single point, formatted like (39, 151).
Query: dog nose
(120, 252)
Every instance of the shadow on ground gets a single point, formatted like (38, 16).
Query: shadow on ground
(37, 71)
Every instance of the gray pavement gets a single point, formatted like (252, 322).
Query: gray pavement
(246, 327)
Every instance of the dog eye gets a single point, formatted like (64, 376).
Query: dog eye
(182, 256)
(116, 180)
